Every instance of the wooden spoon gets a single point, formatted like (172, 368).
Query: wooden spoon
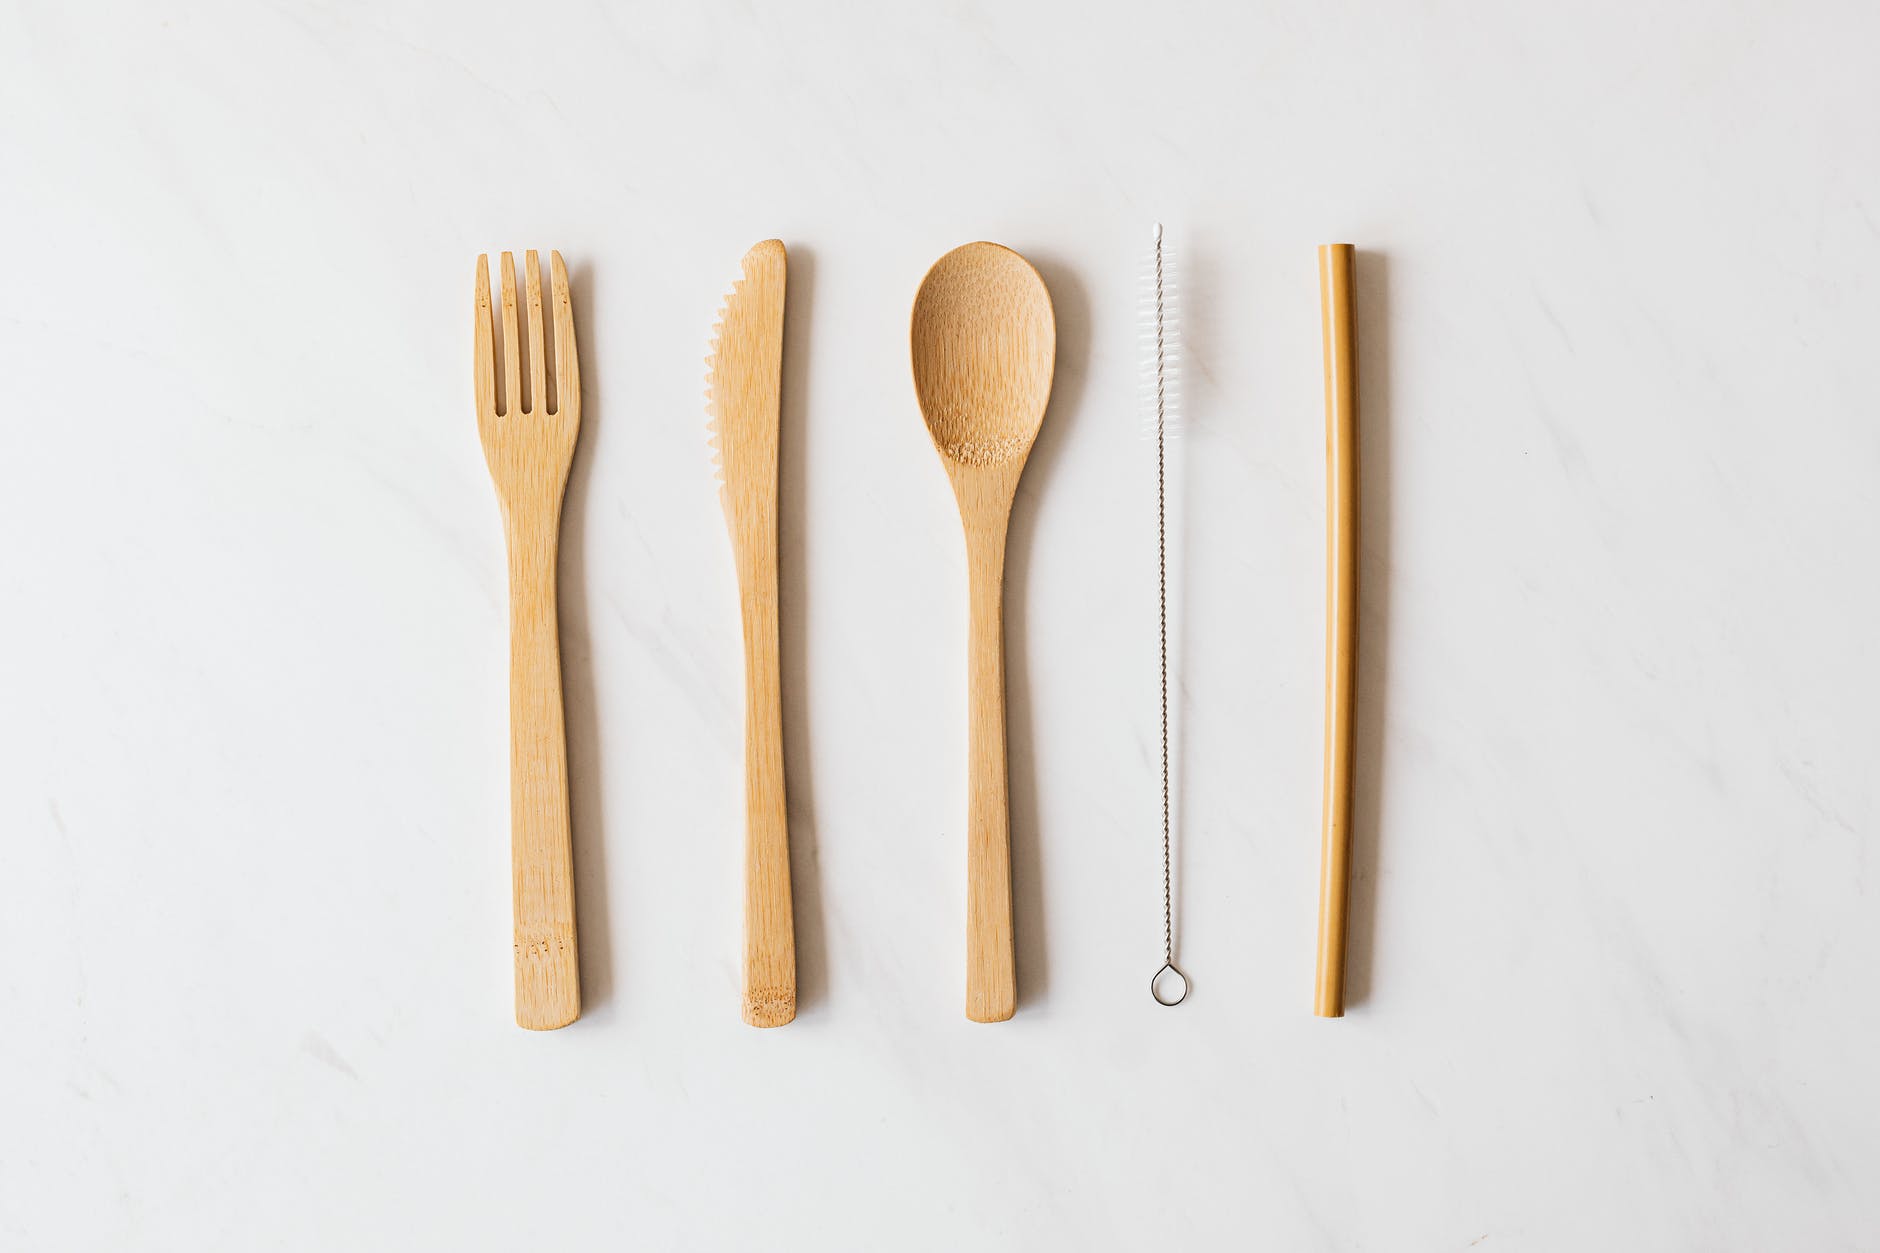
(984, 344)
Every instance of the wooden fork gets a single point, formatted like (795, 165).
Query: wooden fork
(529, 446)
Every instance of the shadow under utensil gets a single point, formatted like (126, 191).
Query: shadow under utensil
(812, 969)
(1071, 310)
(1371, 298)
(579, 698)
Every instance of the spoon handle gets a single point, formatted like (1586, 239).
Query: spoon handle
(991, 978)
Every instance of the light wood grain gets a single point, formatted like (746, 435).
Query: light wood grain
(529, 445)
(745, 380)
(984, 348)
(1341, 618)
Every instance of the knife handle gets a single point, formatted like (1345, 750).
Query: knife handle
(769, 926)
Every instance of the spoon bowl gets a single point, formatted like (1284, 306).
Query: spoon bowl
(985, 343)
(984, 346)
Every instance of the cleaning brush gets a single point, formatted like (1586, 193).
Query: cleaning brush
(1161, 396)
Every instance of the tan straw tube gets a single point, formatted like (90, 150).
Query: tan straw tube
(1341, 618)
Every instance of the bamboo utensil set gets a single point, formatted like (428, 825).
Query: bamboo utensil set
(984, 345)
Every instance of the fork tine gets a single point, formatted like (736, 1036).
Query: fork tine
(512, 343)
(567, 369)
(486, 349)
(538, 352)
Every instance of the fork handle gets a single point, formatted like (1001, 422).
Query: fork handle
(769, 927)
(548, 982)
(991, 972)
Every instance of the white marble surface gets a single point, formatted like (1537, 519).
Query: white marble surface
(1616, 933)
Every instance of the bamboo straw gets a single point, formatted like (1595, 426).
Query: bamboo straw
(1341, 618)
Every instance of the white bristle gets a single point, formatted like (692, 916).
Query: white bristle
(712, 445)
(1160, 342)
